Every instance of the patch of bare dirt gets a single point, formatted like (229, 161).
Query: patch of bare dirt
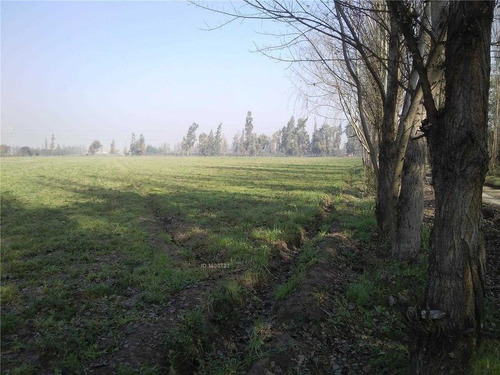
(301, 341)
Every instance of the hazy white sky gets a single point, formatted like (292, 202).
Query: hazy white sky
(102, 70)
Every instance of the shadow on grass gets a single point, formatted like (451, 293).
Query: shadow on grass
(76, 270)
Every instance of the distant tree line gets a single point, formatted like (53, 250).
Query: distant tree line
(47, 149)
(291, 140)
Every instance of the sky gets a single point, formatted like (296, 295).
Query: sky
(106, 69)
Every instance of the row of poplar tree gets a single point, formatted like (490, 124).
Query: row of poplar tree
(293, 139)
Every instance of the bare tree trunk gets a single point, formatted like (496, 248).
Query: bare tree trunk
(387, 191)
(495, 103)
(450, 321)
(495, 139)
(388, 183)
(407, 241)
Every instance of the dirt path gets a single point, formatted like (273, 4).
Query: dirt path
(491, 196)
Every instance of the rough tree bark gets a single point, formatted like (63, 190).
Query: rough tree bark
(450, 324)
(407, 241)
(388, 185)
(495, 131)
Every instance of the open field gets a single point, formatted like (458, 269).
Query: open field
(222, 265)
(91, 245)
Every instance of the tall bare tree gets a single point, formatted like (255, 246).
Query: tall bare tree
(494, 118)
(450, 321)
(411, 201)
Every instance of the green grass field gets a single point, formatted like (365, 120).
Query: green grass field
(155, 265)
(91, 246)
